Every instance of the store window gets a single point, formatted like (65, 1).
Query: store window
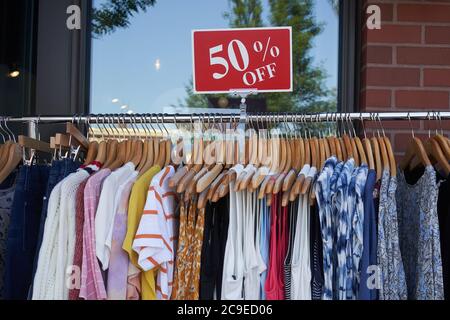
(142, 55)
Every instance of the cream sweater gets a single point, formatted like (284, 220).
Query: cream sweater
(46, 268)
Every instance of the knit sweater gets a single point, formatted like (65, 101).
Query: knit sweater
(66, 234)
(78, 255)
(44, 278)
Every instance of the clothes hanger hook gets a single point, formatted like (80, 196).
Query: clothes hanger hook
(410, 124)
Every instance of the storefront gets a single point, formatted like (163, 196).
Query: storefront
(377, 72)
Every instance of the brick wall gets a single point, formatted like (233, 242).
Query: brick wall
(406, 65)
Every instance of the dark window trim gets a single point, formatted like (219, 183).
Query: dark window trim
(349, 55)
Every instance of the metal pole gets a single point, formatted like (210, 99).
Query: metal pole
(227, 118)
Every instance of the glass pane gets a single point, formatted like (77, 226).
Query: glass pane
(142, 58)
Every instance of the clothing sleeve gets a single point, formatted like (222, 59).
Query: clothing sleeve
(152, 242)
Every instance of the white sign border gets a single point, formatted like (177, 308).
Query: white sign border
(291, 89)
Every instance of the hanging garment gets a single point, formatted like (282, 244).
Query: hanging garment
(59, 170)
(444, 229)
(301, 263)
(74, 291)
(343, 204)
(233, 269)
(419, 236)
(264, 244)
(92, 284)
(23, 230)
(389, 258)
(316, 254)
(136, 206)
(261, 260)
(157, 232)
(324, 198)
(106, 210)
(367, 287)
(278, 246)
(195, 253)
(356, 210)
(118, 263)
(251, 267)
(213, 251)
(7, 188)
(66, 230)
(181, 263)
(292, 213)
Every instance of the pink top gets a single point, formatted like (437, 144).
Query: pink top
(92, 285)
(118, 263)
(274, 286)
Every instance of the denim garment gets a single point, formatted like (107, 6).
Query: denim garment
(356, 210)
(420, 243)
(7, 188)
(23, 230)
(343, 244)
(390, 264)
(324, 202)
(367, 291)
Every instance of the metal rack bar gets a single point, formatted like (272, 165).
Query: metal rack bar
(234, 117)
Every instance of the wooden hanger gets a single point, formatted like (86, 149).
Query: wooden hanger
(390, 152)
(415, 148)
(377, 153)
(367, 149)
(14, 157)
(77, 135)
(315, 160)
(286, 167)
(296, 188)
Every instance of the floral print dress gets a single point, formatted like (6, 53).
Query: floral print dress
(419, 236)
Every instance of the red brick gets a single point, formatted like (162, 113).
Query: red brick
(403, 140)
(423, 56)
(437, 35)
(377, 98)
(400, 77)
(394, 125)
(377, 54)
(395, 34)
(426, 100)
(436, 124)
(437, 77)
(423, 12)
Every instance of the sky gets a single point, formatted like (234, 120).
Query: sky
(124, 71)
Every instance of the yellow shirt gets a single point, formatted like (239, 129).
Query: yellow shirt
(136, 206)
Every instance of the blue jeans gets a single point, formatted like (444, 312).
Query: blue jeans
(24, 229)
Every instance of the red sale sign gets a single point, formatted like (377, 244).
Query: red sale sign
(248, 59)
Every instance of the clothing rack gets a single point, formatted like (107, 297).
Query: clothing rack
(235, 117)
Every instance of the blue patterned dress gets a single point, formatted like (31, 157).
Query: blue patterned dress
(393, 283)
(419, 236)
(324, 202)
(344, 242)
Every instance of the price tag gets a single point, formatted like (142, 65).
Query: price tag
(248, 59)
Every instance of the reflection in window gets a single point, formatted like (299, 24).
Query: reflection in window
(142, 55)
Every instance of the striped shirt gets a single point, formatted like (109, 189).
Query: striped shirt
(155, 239)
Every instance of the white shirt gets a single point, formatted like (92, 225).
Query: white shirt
(233, 266)
(301, 267)
(106, 211)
